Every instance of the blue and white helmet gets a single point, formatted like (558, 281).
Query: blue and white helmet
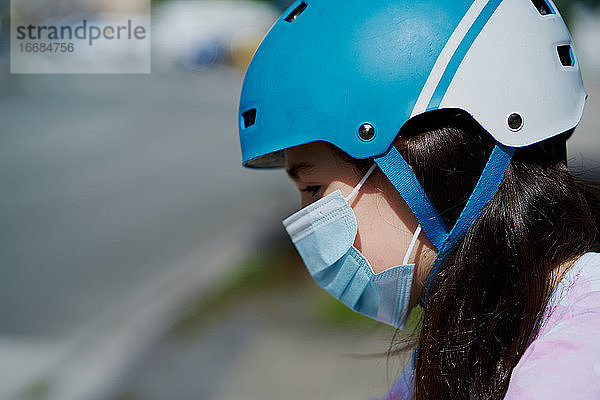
(353, 72)
(327, 67)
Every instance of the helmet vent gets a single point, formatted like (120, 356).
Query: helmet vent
(249, 117)
(565, 53)
(295, 12)
(543, 7)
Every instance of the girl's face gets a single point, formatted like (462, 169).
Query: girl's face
(385, 223)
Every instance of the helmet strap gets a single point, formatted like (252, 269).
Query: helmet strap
(397, 170)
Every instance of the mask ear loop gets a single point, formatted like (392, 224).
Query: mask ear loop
(362, 181)
(413, 241)
(411, 246)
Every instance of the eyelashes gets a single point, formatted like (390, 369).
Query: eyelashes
(313, 190)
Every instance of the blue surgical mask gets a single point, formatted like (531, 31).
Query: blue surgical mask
(323, 233)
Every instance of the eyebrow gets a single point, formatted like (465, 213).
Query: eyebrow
(294, 171)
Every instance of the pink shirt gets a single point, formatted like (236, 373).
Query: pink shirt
(563, 362)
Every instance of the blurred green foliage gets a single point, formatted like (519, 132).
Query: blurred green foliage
(37, 390)
(271, 269)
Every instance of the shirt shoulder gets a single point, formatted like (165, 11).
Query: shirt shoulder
(564, 360)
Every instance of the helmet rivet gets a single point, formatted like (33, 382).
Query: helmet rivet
(515, 122)
(366, 132)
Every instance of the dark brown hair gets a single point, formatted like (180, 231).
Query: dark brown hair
(487, 301)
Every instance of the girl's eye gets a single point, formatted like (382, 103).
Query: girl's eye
(313, 190)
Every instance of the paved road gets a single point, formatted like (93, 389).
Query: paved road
(107, 181)
(116, 190)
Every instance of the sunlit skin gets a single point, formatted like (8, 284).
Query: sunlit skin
(385, 223)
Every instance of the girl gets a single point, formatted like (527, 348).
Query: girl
(427, 140)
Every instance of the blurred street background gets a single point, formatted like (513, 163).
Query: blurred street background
(140, 261)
